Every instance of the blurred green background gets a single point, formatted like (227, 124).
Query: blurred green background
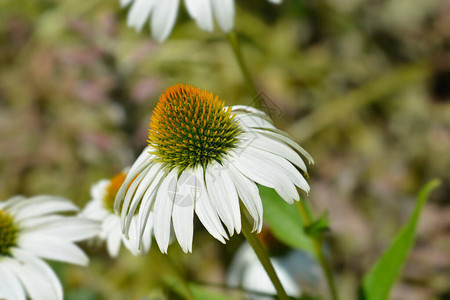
(363, 85)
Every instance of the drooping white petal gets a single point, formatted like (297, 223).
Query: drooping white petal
(149, 182)
(201, 12)
(249, 195)
(256, 168)
(163, 18)
(285, 167)
(139, 13)
(205, 211)
(145, 240)
(245, 109)
(224, 13)
(223, 196)
(10, 287)
(53, 248)
(142, 162)
(278, 148)
(275, 1)
(254, 121)
(129, 196)
(163, 210)
(113, 236)
(183, 210)
(144, 216)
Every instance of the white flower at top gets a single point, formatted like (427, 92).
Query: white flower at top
(163, 14)
(100, 208)
(30, 230)
(203, 157)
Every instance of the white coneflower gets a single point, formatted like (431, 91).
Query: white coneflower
(203, 157)
(162, 14)
(30, 230)
(100, 208)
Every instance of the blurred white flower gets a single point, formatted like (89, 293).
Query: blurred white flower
(31, 229)
(163, 14)
(100, 208)
(247, 272)
(204, 157)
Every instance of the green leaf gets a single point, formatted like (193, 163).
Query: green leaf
(284, 221)
(319, 226)
(379, 280)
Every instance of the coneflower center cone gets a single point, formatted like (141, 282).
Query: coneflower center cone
(8, 233)
(190, 127)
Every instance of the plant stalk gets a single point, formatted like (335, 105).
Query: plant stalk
(263, 257)
(307, 217)
(237, 51)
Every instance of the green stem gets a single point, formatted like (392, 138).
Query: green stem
(307, 217)
(234, 42)
(263, 257)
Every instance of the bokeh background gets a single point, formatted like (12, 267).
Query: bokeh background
(363, 85)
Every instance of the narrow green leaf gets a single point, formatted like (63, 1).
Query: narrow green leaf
(284, 221)
(379, 280)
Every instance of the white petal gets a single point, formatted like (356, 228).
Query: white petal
(139, 13)
(183, 210)
(149, 182)
(42, 205)
(224, 13)
(201, 12)
(275, 1)
(249, 195)
(129, 197)
(144, 216)
(99, 189)
(163, 210)
(124, 3)
(206, 211)
(263, 171)
(12, 202)
(244, 109)
(53, 249)
(114, 238)
(223, 196)
(249, 121)
(163, 18)
(278, 148)
(37, 277)
(285, 167)
(95, 210)
(10, 287)
(278, 134)
(142, 162)
(68, 228)
(145, 241)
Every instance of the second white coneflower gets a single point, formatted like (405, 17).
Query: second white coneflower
(204, 157)
(163, 14)
(100, 208)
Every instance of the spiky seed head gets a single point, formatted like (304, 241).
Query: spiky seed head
(191, 127)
